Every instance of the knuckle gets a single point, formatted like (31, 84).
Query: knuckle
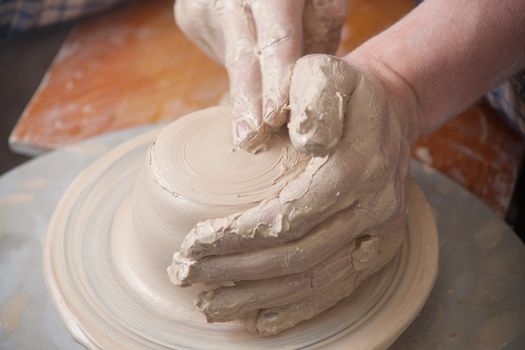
(199, 22)
(365, 251)
(275, 38)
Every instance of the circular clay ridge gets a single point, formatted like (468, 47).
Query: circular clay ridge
(192, 173)
(107, 277)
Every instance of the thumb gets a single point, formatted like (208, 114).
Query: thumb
(319, 91)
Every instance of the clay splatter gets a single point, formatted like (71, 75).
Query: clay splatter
(17, 198)
(11, 314)
(34, 183)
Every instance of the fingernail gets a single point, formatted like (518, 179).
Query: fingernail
(179, 272)
(250, 137)
(243, 129)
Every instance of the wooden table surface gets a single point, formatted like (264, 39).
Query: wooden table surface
(132, 66)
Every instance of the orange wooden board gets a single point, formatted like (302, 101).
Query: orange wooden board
(132, 66)
(124, 68)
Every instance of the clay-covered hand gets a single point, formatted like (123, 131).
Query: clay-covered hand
(258, 41)
(293, 256)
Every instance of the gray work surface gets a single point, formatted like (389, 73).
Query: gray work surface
(478, 301)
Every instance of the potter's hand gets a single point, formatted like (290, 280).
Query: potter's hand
(333, 226)
(258, 42)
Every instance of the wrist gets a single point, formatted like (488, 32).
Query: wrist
(403, 97)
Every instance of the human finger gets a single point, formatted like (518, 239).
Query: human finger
(280, 40)
(327, 187)
(303, 203)
(229, 303)
(199, 22)
(288, 258)
(320, 88)
(242, 64)
(371, 254)
(347, 267)
(274, 320)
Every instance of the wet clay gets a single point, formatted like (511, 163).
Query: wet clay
(115, 230)
(248, 37)
(192, 173)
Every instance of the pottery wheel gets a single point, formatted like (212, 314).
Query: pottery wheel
(107, 302)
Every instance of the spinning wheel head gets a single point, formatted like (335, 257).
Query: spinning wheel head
(113, 233)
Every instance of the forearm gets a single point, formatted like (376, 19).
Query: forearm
(450, 52)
